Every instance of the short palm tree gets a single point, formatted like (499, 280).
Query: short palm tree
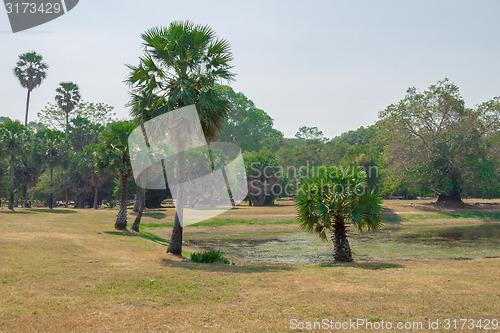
(182, 65)
(67, 97)
(30, 70)
(13, 137)
(55, 150)
(112, 152)
(331, 199)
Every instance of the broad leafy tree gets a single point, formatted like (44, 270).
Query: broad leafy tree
(67, 97)
(332, 199)
(262, 175)
(432, 141)
(53, 117)
(247, 126)
(30, 70)
(112, 152)
(182, 65)
(310, 133)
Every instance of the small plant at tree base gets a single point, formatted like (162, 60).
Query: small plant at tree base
(209, 257)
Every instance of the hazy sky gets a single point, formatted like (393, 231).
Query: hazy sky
(330, 64)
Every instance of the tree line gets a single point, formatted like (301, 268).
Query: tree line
(427, 144)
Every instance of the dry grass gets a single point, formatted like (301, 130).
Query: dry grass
(69, 271)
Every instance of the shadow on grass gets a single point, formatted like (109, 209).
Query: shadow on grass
(120, 233)
(363, 265)
(38, 210)
(220, 267)
(155, 215)
(142, 234)
(465, 211)
(390, 216)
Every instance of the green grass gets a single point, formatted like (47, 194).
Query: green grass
(219, 222)
(483, 216)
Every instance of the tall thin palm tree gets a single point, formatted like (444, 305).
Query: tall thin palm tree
(112, 152)
(181, 66)
(30, 70)
(13, 137)
(67, 97)
(331, 199)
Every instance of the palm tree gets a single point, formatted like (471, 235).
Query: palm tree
(95, 176)
(181, 66)
(67, 97)
(112, 152)
(56, 153)
(30, 70)
(12, 140)
(331, 199)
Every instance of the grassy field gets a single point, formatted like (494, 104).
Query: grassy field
(68, 270)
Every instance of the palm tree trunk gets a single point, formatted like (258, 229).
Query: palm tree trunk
(96, 191)
(67, 122)
(139, 192)
(142, 203)
(175, 245)
(230, 192)
(16, 202)
(121, 219)
(51, 189)
(27, 108)
(11, 196)
(342, 248)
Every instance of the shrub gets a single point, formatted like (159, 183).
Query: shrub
(209, 257)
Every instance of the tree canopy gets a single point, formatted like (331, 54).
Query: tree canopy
(432, 141)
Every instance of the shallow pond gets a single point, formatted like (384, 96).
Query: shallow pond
(453, 243)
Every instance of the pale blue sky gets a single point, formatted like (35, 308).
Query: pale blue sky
(330, 64)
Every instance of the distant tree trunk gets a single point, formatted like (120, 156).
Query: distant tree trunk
(96, 192)
(342, 248)
(66, 201)
(121, 219)
(175, 245)
(51, 188)
(11, 195)
(142, 203)
(27, 108)
(454, 198)
(25, 193)
(260, 191)
(67, 121)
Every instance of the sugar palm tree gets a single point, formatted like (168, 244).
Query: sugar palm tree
(30, 70)
(112, 152)
(181, 66)
(55, 149)
(331, 199)
(13, 137)
(67, 97)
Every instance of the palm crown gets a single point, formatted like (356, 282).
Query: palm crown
(30, 70)
(182, 65)
(67, 97)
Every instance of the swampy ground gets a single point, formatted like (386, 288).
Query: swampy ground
(68, 270)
